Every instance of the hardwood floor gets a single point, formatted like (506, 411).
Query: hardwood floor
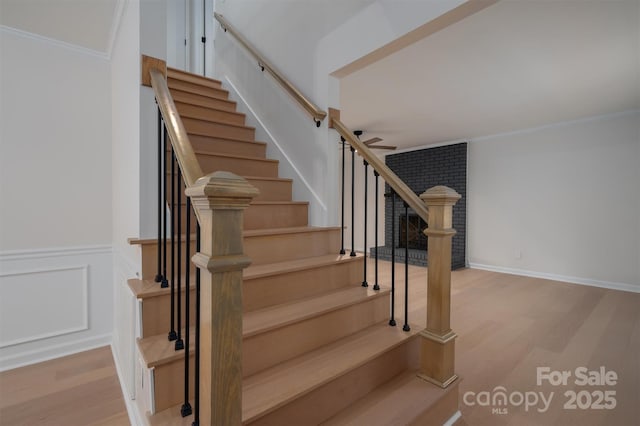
(80, 389)
(508, 326)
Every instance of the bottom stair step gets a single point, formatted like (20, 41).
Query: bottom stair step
(312, 388)
(405, 400)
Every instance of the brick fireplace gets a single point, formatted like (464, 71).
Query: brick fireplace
(420, 170)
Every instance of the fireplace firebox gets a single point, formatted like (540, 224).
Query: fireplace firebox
(417, 239)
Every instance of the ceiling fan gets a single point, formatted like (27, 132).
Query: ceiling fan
(371, 143)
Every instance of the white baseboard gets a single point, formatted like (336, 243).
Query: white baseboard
(54, 351)
(554, 277)
(132, 412)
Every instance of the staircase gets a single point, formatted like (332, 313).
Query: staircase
(317, 347)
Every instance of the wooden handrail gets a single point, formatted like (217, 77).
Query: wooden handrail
(317, 114)
(191, 170)
(401, 188)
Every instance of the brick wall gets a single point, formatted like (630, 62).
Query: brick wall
(423, 169)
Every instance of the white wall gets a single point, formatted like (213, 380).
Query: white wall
(308, 41)
(125, 89)
(55, 186)
(153, 42)
(561, 201)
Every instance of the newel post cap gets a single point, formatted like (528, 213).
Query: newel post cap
(440, 196)
(225, 185)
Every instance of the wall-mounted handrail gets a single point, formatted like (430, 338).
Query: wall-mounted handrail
(378, 165)
(317, 113)
(191, 170)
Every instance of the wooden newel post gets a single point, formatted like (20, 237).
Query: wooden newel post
(220, 199)
(438, 340)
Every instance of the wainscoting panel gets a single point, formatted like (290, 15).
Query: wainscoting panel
(33, 307)
(54, 302)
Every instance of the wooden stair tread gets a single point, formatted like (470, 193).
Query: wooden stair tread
(216, 92)
(213, 138)
(268, 269)
(200, 99)
(268, 390)
(222, 123)
(234, 156)
(407, 394)
(193, 78)
(158, 350)
(266, 319)
(178, 103)
(246, 233)
(291, 230)
(144, 289)
(268, 178)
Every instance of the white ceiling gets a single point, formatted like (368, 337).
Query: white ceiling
(86, 23)
(513, 65)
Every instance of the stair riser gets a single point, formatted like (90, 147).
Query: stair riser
(271, 348)
(205, 101)
(322, 403)
(194, 111)
(270, 190)
(227, 146)
(219, 130)
(193, 78)
(168, 389)
(271, 290)
(267, 216)
(156, 313)
(261, 249)
(438, 413)
(273, 190)
(239, 166)
(186, 86)
(279, 248)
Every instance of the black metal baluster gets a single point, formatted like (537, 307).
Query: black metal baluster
(172, 333)
(165, 281)
(159, 274)
(406, 327)
(196, 384)
(186, 407)
(353, 206)
(179, 342)
(366, 207)
(342, 192)
(392, 321)
(376, 286)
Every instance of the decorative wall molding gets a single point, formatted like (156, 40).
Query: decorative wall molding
(58, 43)
(53, 252)
(563, 278)
(75, 289)
(84, 320)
